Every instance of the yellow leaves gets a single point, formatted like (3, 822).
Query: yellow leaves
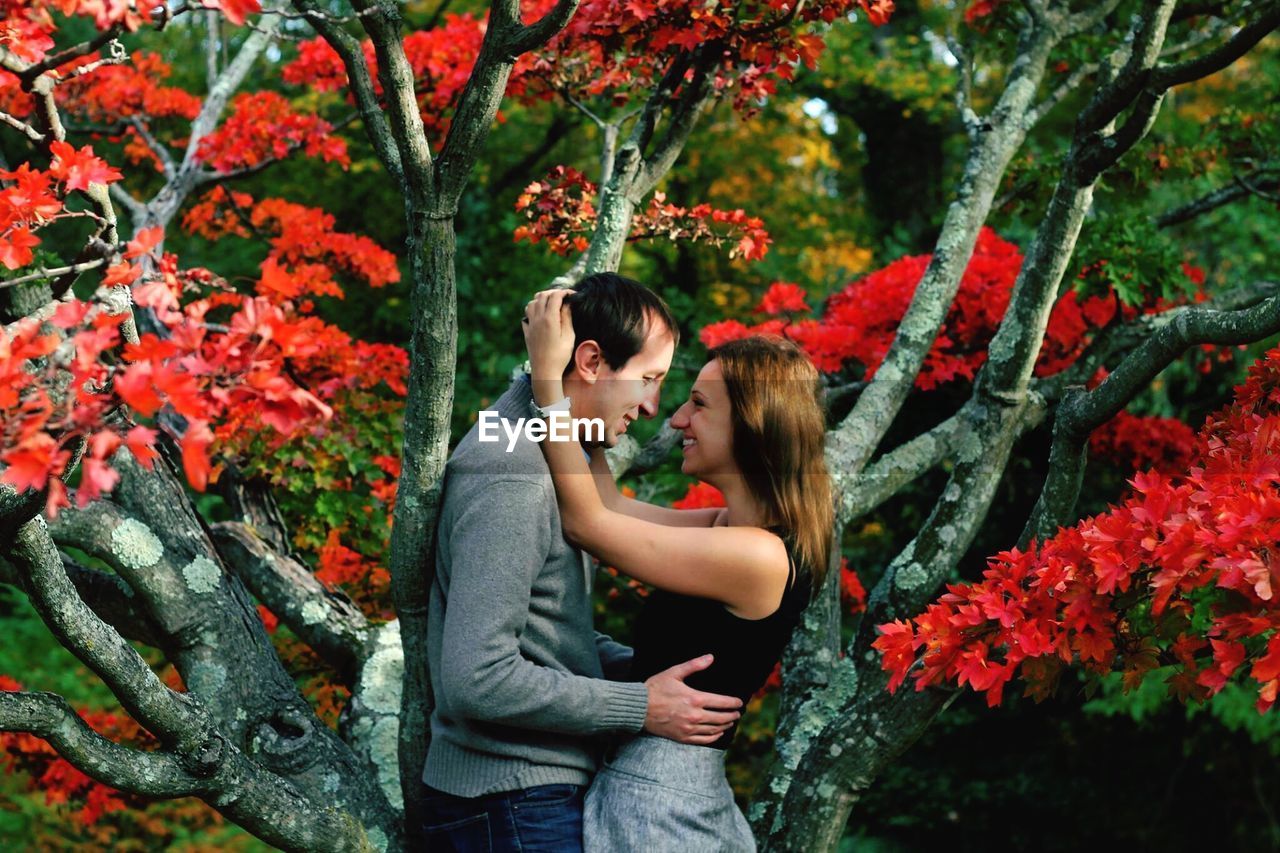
(732, 298)
(834, 260)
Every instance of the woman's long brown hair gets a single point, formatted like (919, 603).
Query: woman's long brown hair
(778, 432)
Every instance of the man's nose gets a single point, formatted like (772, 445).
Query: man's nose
(649, 405)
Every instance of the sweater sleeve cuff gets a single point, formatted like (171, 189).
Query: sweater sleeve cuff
(628, 704)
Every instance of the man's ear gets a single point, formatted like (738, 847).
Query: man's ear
(587, 361)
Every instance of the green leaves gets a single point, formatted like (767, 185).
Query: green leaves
(1132, 256)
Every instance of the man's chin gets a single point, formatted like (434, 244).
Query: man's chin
(610, 440)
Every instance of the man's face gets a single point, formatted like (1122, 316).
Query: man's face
(620, 396)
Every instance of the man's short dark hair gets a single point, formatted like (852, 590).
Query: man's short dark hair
(616, 313)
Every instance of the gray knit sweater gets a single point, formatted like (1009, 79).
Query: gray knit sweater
(516, 667)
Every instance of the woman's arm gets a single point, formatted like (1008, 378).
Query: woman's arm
(618, 502)
(743, 567)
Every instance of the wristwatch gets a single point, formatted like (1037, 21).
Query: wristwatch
(544, 412)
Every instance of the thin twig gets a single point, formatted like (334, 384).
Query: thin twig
(26, 129)
(53, 273)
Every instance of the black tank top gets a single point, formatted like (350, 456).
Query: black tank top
(674, 628)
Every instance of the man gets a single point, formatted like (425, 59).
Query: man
(518, 673)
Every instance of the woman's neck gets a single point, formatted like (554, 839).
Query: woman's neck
(743, 510)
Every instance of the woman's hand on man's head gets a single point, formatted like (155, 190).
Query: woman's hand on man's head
(548, 333)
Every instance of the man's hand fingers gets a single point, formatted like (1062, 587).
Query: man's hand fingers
(715, 701)
(681, 671)
(700, 739)
(718, 719)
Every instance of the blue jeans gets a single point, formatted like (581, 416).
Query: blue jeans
(543, 818)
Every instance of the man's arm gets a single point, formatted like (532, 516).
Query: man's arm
(485, 677)
(615, 658)
(483, 674)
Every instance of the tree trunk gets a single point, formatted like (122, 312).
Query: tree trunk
(432, 352)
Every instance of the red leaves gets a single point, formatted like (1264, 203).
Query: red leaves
(305, 251)
(33, 199)
(144, 243)
(63, 783)
(979, 9)
(237, 11)
(699, 496)
(878, 11)
(266, 371)
(616, 50)
(28, 465)
(561, 212)
(897, 646)
(263, 126)
(1109, 592)
(860, 322)
(78, 169)
(441, 58)
(16, 246)
(195, 455)
(782, 298)
(117, 93)
(852, 593)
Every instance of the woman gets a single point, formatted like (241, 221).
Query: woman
(731, 582)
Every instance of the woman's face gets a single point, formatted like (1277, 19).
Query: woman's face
(706, 421)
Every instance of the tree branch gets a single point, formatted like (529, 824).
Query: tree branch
(1066, 87)
(264, 803)
(383, 23)
(1240, 187)
(22, 127)
(174, 193)
(326, 621)
(56, 272)
(1121, 338)
(166, 159)
(519, 171)
(629, 457)
(103, 530)
(694, 98)
(348, 48)
(1266, 18)
(899, 467)
(535, 35)
(62, 57)
(137, 210)
(1080, 413)
(915, 573)
(107, 595)
(49, 717)
(172, 717)
(856, 438)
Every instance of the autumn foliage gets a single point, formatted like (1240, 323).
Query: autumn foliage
(859, 323)
(562, 214)
(1180, 576)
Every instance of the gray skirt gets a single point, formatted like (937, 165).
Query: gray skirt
(653, 794)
